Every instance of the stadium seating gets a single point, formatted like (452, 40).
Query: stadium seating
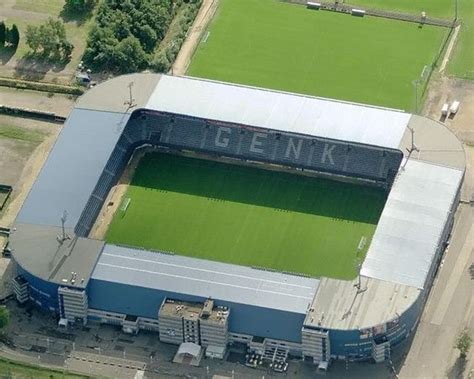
(243, 142)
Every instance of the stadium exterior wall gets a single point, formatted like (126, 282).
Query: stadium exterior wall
(358, 344)
(43, 293)
(244, 319)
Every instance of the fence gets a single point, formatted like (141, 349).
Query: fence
(31, 113)
(5, 192)
(341, 7)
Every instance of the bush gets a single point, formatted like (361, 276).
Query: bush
(133, 26)
(39, 86)
(2, 33)
(463, 343)
(79, 6)
(167, 55)
(161, 63)
(4, 316)
(14, 36)
(49, 39)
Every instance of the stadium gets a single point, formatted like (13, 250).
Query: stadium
(356, 204)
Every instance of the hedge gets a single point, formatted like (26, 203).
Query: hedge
(40, 86)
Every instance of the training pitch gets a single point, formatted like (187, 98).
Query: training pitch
(247, 216)
(277, 45)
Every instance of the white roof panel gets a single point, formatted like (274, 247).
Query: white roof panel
(412, 223)
(203, 278)
(279, 111)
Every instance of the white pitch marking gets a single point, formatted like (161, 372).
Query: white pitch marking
(362, 243)
(205, 37)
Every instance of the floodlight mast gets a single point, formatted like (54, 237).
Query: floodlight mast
(63, 237)
(358, 285)
(131, 101)
(413, 146)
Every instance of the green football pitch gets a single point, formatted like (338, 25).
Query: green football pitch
(461, 63)
(247, 216)
(278, 45)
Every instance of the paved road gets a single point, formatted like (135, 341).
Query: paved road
(448, 311)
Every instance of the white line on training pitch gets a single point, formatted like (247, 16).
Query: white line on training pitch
(205, 37)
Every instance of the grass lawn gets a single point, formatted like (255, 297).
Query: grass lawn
(462, 60)
(273, 44)
(247, 216)
(17, 370)
(433, 8)
(13, 132)
(462, 63)
(27, 12)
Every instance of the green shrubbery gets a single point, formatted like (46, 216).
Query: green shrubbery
(127, 34)
(9, 36)
(39, 86)
(49, 40)
(79, 6)
(166, 55)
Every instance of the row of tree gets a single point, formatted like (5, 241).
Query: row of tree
(9, 36)
(126, 33)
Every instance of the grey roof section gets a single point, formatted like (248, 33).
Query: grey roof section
(337, 305)
(412, 223)
(279, 111)
(114, 95)
(37, 251)
(73, 167)
(435, 143)
(204, 278)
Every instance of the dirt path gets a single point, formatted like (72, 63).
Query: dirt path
(114, 198)
(449, 50)
(204, 16)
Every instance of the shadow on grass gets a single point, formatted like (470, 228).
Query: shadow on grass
(284, 192)
(6, 53)
(79, 17)
(35, 66)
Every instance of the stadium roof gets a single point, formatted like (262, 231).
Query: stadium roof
(73, 168)
(403, 245)
(412, 222)
(202, 278)
(338, 305)
(279, 111)
(37, 250)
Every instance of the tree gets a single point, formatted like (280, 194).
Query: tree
(161, 62)
(49, 39)
(129, 56)
(2, 33)
(33, 38)
(147, 37)
(119, 26)
(463, 343)
(4, 317)
(66, 48)
(79, 6)
(14, 36)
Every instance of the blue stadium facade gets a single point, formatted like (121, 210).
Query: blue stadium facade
(84, 280)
